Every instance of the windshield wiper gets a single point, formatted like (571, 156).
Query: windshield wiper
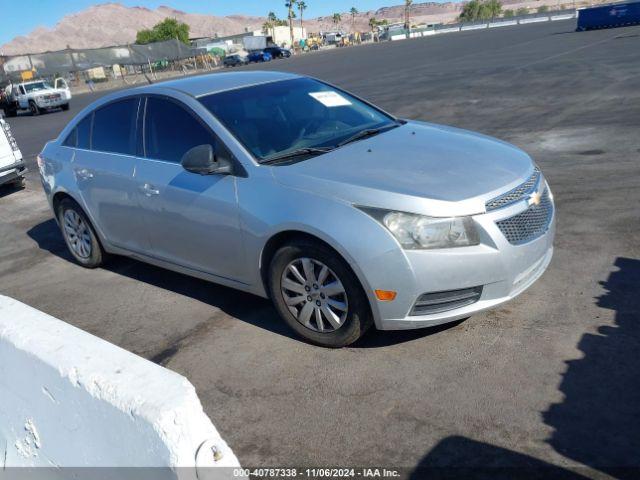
(296, 153)
(368, 132)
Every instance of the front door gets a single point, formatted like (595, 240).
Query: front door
(192, 220)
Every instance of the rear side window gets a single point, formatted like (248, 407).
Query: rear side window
(170, 131)
(114, 127)
(79, 136)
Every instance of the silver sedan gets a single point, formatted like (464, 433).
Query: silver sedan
(293, 189)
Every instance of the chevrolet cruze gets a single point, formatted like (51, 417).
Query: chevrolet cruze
(290, 188)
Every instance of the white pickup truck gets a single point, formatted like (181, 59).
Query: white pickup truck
(12, 167)
(36, 96)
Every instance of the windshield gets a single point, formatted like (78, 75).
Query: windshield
(280, 117)
(34, 87)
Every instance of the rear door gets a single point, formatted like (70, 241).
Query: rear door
(192, 219)
(104, 165)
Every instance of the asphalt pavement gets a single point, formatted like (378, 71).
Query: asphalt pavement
(549, 382)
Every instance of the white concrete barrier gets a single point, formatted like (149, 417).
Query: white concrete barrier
(505, 23)
(70, 399)
(473, 27)
(448, 30)
(533, 20)
(398, 37)
(566, 16)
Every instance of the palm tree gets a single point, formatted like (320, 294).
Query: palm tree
(290, 4)
(407, 13)
(272, 18)
(302, 7)
(353, 12)
(373, 23)
(337, 18)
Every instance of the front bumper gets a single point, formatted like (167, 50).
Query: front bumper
(12, 172)
(52, 102)
(502, 269)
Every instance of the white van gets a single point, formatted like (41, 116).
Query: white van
(12, 167)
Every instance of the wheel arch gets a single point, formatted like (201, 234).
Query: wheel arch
(283, 237)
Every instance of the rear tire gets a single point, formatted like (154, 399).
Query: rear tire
(19, 183)
(79, 235)
(327, 319)
(65, 107)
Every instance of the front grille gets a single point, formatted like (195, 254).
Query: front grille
(530, 224)
(517, 194)
(438, 302)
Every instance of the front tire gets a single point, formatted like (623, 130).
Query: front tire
(33, 108)
(65, 107)
(317, 294)
(79, 235)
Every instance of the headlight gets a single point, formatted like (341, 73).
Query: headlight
(420, 232)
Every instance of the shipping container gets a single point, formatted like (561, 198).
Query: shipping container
(609, 16)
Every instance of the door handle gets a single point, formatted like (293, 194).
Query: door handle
(149, 190)
(84, 174)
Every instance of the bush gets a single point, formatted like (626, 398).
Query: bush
(508, 13)
(543, 9)
(522, 11)
(480, 10)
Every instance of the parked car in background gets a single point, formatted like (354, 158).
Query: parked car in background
(259, 56)
(234, 60)
(12, 167)
(36, 96)
(289, 188)
(278, 52)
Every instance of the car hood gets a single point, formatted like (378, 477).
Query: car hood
(418, 167)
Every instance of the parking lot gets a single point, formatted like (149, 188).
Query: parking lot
(550, 380)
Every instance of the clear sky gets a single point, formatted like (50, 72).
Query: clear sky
(16, 20)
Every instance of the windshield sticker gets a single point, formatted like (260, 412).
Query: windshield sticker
(330, 99)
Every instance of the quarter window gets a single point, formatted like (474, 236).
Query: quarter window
(114, 127)
(170, 131)
(79, 136)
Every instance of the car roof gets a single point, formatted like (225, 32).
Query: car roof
(219, 82)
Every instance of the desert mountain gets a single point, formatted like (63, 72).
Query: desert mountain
(114, 24)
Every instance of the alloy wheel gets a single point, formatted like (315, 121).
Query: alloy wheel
(314, 295)
(77, 233)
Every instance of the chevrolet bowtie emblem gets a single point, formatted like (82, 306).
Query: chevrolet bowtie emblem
(535, 198)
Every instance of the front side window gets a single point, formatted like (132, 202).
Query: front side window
(170, 131)
(274, 118)
(114, 127)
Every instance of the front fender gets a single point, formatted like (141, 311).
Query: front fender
(364, 244)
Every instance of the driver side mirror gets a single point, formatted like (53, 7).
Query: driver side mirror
(202, 160)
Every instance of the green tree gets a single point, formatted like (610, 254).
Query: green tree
(336, 18)
(508, 13)
(290, 4)
(543, 8)
(167, 29)
(522, 11)
(302, 6)
(353, 12)
(373, 24)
